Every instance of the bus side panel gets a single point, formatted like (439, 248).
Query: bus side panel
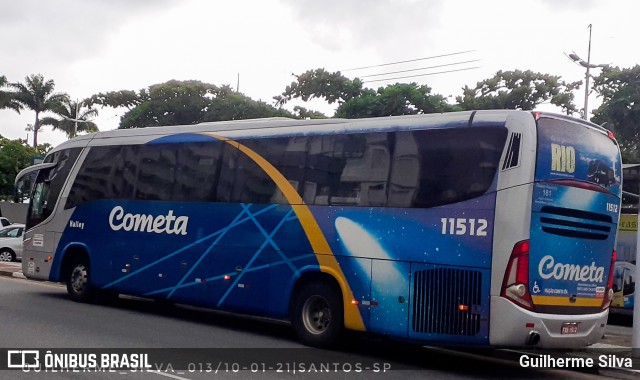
(220, 257)
(445, 245)
(390, 298)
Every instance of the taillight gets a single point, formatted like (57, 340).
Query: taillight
(515, 286)
(608, 292)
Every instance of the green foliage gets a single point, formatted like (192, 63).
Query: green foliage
(393, 100)
(235, 106)
(620, 108)
(355, 101)
(303, 113)
(318, 83)
(115, 99)
(182, 103)
(7, 99)
(15, 155)
(74, 118)
(518, 89)
(37, 95)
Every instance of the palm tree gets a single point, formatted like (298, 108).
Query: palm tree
(37, 95)
(7, 99)
(74, 118)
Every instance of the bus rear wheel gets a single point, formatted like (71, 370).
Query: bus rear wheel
(78, 282)
(317, 314)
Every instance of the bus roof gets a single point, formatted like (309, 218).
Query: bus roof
(285, 126)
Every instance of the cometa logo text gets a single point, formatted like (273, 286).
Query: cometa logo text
(160, 224)
(548, 268)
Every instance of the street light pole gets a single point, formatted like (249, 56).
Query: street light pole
(76, 120)
(588, 65)
(586, 80)
(75, 126)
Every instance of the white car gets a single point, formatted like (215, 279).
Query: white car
(11, 242)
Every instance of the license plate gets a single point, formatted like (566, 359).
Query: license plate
(569, 328)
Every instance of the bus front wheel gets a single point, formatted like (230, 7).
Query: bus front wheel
(78, 282)
(318, 314)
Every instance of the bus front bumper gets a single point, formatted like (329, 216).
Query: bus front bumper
(36, 265)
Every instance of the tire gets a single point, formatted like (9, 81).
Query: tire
(6, 255)
(79, 282)
(317, 314)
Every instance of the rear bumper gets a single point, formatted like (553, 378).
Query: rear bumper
(508, 327)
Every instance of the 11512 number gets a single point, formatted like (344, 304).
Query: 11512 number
(463, 226)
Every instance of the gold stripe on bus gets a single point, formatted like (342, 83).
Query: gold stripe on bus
(326, 259)
(564, 301)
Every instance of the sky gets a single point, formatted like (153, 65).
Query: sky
(93, 46)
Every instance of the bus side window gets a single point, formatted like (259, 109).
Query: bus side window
(227, 178)
(457, 164)
(197, 170)
(287, 155)
(366, 162)
(252, 184)
(405, 171)
(321, 171)
(629, 282)
(102, 176)
(156, 172)
(126, 173)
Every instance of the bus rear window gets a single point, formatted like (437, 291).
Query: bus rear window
(575, 151)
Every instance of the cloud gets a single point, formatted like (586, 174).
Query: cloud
(38, 36)
(571, 5)
(387, 27)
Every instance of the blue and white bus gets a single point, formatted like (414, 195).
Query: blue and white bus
(488, 228)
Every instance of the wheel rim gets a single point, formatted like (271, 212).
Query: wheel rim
(5, 256)
(79, 279)
(316, 314)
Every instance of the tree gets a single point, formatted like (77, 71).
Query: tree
(620, 107)
(393, 100)
(15, 155)
(318, 83)
(7, 98)
(518, 89)
(356, 101)
(74, 118)
(236, 106)
(37, 95)
(303, 113)
(183, 102)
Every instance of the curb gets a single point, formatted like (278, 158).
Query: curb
(8, 273)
